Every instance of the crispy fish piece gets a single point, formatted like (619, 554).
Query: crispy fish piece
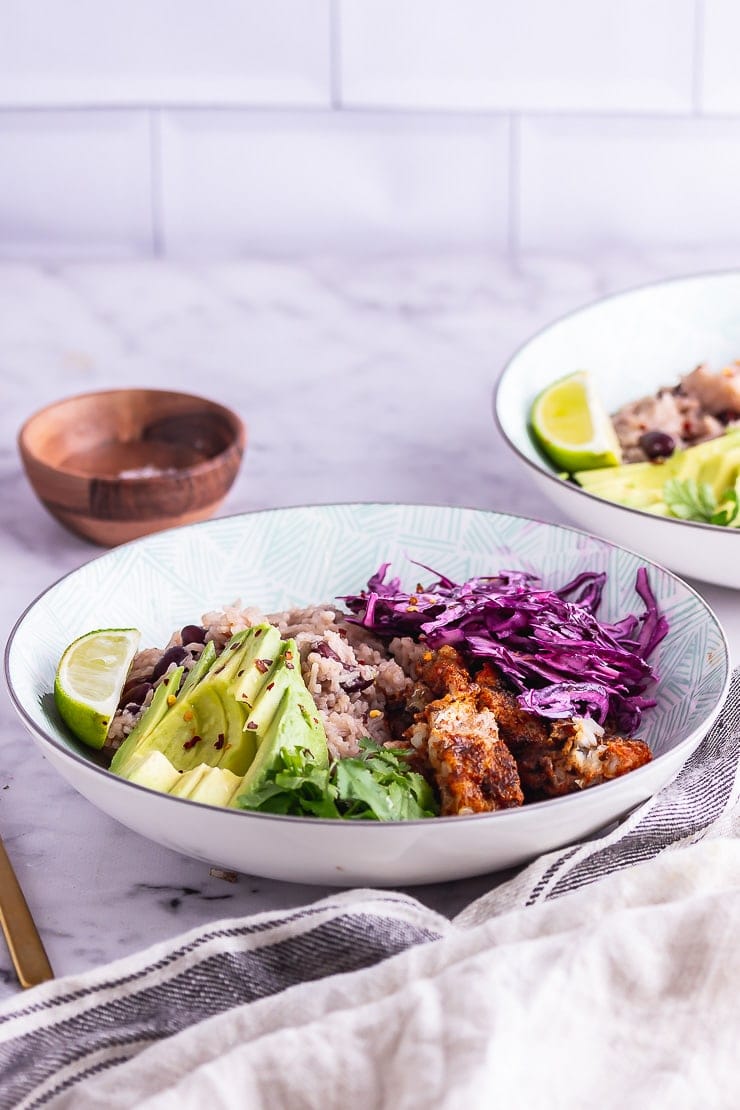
(579, 754)
(719, 391)
(473, 768)
(562, 756)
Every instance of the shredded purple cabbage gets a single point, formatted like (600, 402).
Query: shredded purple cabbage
(549, 644)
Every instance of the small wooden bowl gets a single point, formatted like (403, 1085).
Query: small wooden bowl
(115, 465)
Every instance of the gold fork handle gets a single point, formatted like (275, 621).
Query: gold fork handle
(24, 943)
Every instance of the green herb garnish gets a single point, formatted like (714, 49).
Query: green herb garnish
(376, 785)
(688, 499)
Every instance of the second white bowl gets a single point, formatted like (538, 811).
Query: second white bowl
(631, 344)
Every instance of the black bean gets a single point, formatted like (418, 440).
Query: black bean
(657, 445)
(175, 654)
(137, 694)
(193, 634)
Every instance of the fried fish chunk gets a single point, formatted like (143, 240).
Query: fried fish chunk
(561, 756)
(473, 768)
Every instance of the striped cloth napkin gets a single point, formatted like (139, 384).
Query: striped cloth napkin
(623, 993)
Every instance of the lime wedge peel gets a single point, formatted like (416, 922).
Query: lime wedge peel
(89, 680)
(572, 427)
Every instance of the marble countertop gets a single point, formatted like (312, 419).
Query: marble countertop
(359, 379)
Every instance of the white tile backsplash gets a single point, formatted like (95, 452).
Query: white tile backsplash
(301, 125)
(164, 51)
(315, 181)
(658, 182)
(74, 183)
(720, 90)
(525, 54)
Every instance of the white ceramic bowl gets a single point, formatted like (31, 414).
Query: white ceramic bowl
(631, 344)
(285, 557)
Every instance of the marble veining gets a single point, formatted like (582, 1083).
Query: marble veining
(359, 379)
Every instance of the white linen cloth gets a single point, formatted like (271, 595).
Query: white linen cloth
(627, 996)
(604, 975)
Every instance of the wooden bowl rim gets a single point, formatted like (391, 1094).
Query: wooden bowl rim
(238, 441)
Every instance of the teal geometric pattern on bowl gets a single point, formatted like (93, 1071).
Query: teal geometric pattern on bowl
(285, 557)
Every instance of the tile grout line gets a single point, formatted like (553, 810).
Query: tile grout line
(514, 181)
(156, 198)
(402, 111)
(697, 83)
(335, 57)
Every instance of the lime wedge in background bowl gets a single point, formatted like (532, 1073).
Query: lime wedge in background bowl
(572, 426)
(89, 680)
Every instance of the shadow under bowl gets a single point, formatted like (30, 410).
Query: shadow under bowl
(115, 465)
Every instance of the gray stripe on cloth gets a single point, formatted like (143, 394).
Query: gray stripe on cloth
(160, 1009)
(247, 929)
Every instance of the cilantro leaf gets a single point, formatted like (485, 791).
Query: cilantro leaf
(295, 785)
(379, 785)
(376, 785)
(688, 499)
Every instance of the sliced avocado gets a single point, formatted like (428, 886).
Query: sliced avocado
(148, 721)
(295, 724)
(161, 703)
(720, 472)
(187, 782)
(241, 651)
(238, 713)
(200, 669)
(188, 732)
(211, 786)
(267, 688)
(258, 665)
(640, 485)
(155, 771)
(205, 722)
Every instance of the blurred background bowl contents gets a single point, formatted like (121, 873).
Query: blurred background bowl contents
(115, 465)
(631, 345)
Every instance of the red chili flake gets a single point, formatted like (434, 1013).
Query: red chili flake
(263, 665)
(269, 685)
(252, 724)
(191, 743)
(220, 742)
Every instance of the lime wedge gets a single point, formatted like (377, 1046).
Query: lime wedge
(89, 680)
(572, 426)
